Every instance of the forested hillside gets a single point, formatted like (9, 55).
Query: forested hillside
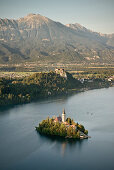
(42, 85)
(36, 86)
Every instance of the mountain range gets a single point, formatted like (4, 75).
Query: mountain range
(35, 38)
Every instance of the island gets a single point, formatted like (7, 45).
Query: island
(62, 127)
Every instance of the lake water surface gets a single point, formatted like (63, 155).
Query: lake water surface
(22, 148)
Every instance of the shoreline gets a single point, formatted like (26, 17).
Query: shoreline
(65, 94)
(40, 86)
(62, 137)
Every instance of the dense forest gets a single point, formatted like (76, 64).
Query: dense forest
(38, 85)
(41, 85)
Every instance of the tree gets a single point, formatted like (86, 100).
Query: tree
(62, 130)
(78, 134)
(81, 128)
(69, 131)
(86, 132)
(69, 120)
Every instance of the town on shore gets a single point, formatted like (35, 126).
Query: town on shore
(62, 127)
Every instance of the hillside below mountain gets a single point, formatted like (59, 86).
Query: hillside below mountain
(35, 38)
(15, 90)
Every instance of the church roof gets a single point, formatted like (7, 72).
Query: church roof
(58, 119)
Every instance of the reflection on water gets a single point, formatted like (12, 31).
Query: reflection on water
(59, 99)
(63, 143)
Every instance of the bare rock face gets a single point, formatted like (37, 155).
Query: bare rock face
(38, 38)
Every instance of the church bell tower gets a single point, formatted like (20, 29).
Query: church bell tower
(63, 116)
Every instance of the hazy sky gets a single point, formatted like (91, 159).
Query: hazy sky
(97, 15)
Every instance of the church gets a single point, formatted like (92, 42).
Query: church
(61, 119)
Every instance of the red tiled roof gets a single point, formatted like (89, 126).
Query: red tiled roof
(57, 119)
(73, 126)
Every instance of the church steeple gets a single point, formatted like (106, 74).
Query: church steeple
(64, 111)
(63, 116)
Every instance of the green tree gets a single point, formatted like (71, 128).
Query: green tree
(69, 120)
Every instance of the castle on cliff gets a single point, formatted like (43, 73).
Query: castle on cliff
(62, 72)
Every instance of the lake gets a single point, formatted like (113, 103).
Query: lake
(22, 148)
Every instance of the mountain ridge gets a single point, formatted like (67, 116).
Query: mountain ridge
(38, 38)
